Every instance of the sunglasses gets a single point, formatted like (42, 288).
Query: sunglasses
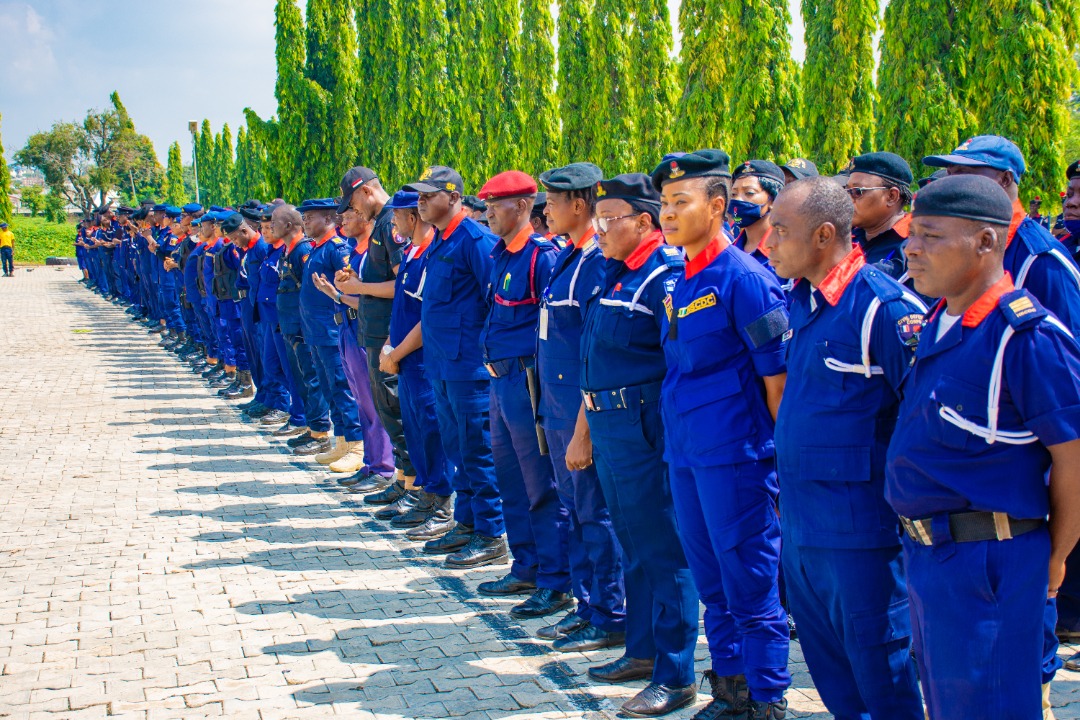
(858, 192)
(602, 223)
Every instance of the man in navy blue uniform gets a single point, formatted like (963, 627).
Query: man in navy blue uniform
(329, 254)
(253, 248)
(853, 336)
(457, 274)
(536, 521)
(1070, 209)
(723, 329)
(986, 446)
(879, 184)
(596, 575)
(621, 373)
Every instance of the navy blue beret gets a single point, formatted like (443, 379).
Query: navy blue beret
(191, 208)
(124, 210)
(474, 203)
(254, 214)
(575, 176)
(318, 204)
(173, 212)
(231, 222)
(700, 163)
(759, 168)
(923, 182)
(972, 197)
(539, 204)
(631, 187)
(887, 165)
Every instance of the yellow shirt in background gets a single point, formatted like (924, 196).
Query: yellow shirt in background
(7, 238)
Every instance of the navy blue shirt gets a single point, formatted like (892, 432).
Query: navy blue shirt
(519, 275)
(328, 255)
(384, 252)
(408, 299)
(886, 250)
(1040, 264)
(291, 271)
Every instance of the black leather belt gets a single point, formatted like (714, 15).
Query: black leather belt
(621, 398)
(972, 527)
(502, 368)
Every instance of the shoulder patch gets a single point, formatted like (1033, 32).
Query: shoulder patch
(1021, 309)
(909, 327)
(670, 283)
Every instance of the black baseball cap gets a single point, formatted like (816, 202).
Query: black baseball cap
(353, 179)
(438, 178)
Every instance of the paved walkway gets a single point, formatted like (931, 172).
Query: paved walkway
(159, 558)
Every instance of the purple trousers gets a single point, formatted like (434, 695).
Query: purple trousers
(378, 452)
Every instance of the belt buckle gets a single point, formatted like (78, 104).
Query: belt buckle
(589, 400)
(622, 398)
(491, 370)
(917, 530)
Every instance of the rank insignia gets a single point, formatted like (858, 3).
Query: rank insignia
(1022, 306)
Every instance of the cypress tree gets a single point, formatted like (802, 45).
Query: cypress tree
(504, 121)
(837, 79)
(469, 81)
(540, 148)
(578, 107)
(342, 84)
(764, 104)
(700, 120)
(423, 88)
(290, 151)
(223, 162)
(918, 112)
(651, 65)
(609, 44)
(6, 210)
(1018, 72)
(207, 162)
(174, 177)
(262, 134)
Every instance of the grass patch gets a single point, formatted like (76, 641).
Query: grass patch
(37, 239)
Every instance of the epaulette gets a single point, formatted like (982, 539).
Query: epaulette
(671, 256)
(882, 285)
(1021, 309)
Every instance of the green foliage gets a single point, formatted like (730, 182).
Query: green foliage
(540, 145)
(291, 146)
(918, 114)
(223, 167)
(469, 77)
(173, 188)
(33, 198)
(37, 239)
(614, 144)
(504, 136)
(700, 119)
(205, 160)
(6, 211)
(421, 134)
(652, 67)
(579, 107)
(249, 177)
(837, 80)
(54, 208)
(1017, 76)
(85, 162)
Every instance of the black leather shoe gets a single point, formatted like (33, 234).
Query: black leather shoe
(403, 504)
(260, 411)
(730, 697)
(418, 513)
(213, 370)
(481, 550)
(290, 431)
(567, 625)
(587, 638)
(271, 418)
(656, 700)
(314, 446)
(457, 538)
(226, 380)
(767, 710)
(387, 495)
(249, 405)
(302, 439)
(370, 482)
(543, 602)
(439, 522)
(623, 670)
(508, 585)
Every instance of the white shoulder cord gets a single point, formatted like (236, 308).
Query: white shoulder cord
(633, 305)
(991, 433)
(866, 369)
(1026, 267)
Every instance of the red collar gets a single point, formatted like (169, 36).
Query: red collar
(903, 226)
(324, 239)
(519, 240)
(637, 258)
(454, 223)
(1018, 217)
(428, 237)
(987, 302)
(252, 243)
(835, 283)
(704, 258)
(295, 241)
(582, 241)
(277, 244)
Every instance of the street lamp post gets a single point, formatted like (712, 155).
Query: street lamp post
(193, 128)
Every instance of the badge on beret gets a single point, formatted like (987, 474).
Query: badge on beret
(797, 163)
(909, 327)
(964, 145)
(600, 191)
(676, 172)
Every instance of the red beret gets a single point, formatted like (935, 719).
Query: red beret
(512, 183)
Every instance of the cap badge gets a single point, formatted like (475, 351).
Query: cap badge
(965, 145)
(600, 191)
(676, 172)
(797, 163)
(426, 174)
(451, 187)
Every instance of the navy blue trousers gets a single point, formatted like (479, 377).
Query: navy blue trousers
(421, 425)
(302, 366)
(335, 386)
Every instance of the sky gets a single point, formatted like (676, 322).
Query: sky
(171, 61)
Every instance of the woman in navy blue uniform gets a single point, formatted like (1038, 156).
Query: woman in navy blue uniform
(754, 186)
(621, 373)
(723, 338)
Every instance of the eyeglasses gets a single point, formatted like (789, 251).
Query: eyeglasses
(858, 192)
(602, 223)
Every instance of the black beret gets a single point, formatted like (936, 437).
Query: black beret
(255, 214)
(474, 203)
(575, 176)
(634, 188)
(700, 163)
(231, 223)
(1073, 170)
(800, 168)
(539, 204)
(759, 168)
(923, 182)
(887, 165)
(972, 197)
(124, 210)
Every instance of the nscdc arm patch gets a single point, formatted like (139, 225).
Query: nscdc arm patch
(909, 327)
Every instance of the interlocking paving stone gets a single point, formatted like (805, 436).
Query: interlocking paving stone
(159, 558)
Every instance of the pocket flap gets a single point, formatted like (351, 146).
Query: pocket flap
(834, 464)
(721, 385)
(878, 628)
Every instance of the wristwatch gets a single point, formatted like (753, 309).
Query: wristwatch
(386, 350)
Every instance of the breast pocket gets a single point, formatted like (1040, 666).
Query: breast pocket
(616, 326)
(705, 339)
(439, 284)
(834, 385)
(710, 404)
(966, 400)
